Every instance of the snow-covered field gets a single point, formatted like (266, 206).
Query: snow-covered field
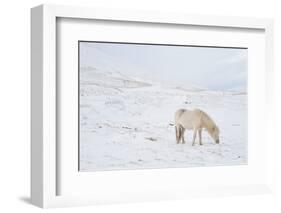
(126, 122)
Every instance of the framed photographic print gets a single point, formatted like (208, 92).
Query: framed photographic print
(138, 101)
(130, 106)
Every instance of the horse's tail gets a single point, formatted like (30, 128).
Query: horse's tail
(178, 126)
(178, 130)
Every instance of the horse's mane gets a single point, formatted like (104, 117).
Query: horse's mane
(208, 121)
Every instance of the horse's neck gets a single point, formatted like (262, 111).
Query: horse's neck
(208, 123)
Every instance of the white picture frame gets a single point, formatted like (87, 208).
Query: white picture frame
(44, 150)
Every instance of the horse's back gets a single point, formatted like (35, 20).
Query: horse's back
(188, 118)
(197, 112)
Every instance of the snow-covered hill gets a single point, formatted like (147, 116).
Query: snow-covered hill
(126, 122)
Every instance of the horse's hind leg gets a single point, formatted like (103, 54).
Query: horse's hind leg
(194, 137)
(182, 134)
(177, 134)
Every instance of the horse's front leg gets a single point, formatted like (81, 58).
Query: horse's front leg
(200, 136)
(194, 136)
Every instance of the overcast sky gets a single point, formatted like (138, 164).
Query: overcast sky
(202, 67)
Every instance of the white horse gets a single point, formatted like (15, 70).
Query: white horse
(197, 120)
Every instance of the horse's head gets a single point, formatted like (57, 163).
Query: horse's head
(215, 134)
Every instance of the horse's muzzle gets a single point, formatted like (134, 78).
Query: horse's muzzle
(218, 141)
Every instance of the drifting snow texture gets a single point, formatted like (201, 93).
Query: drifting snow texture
(127, 123)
